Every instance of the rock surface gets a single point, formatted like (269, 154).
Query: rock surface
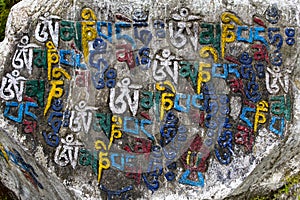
(67, 131)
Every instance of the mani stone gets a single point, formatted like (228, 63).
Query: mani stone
(40, 163)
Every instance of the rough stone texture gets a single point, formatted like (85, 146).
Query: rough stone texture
(248, 175)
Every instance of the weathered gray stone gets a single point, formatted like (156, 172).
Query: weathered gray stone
(262, 171)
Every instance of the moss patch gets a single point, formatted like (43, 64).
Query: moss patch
(289, 189)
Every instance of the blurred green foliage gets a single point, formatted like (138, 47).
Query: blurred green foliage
(5, 6)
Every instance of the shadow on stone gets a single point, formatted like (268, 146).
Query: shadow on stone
(6, 194)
